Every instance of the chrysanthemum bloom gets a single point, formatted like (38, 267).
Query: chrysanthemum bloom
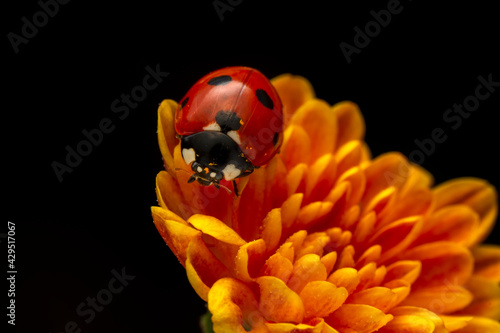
(326, 239)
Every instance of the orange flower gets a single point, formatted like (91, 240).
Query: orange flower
(326, 239)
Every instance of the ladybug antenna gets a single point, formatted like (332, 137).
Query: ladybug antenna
(194, 177)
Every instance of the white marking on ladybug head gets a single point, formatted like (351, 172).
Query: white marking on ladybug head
(235, 136)
(230, 172)
(212, 127)
(213, 174)
(188, 155)
(199, 169)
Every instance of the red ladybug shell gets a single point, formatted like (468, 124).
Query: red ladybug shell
(239, 101)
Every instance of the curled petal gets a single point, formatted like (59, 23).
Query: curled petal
(249, 260)
(216, 228)
(440, 299)
(294, 91)
(271, 229)
(486, 300)
(319, 122)
(387, 170)
(234, 307)
(455, 223)
(348, 155)
(203, 268)
(278, 266)
(442, 263)
(321, 298)
(345, 277)
(320, 178)
(415, 318)
(453, 323)
(481, 325)
(407, 270)
(306, 269)
(475, 193)
(279, 303)
(170, 196)
(296, 146)
(359, 318)
(177, 235)
(379, 297)
(397, 236)
(166, 132)
(487, 261)
(350, 121)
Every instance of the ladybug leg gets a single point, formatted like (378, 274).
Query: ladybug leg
(236, 192)
(192, 178)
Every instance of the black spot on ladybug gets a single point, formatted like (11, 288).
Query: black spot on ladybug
(228, 121)
(219, 80)
(264, 98)
(184, 102)
(275, 139)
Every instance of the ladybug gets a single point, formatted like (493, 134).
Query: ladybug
(229, 123)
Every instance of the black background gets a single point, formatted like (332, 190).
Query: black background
(71, 234)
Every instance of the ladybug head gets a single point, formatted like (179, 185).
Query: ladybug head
(214, 156)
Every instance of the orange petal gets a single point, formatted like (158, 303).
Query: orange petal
(166, 132)
(372, 254)
(453, 323)
(486, 301)
(348, 155)
(387, 170)
(320, 123)
(216, 228)
(407, 270)
(350, 120)
(379, 202)
(365, 227)
(296, 178)
(311, 214)
(321, 298)
(409, 324)
(278, 266)
(169, 195)
(320, 178)
(249, 260)
(345, 277)
(176, 234)
(481, 325)
(294, 91)
(356, 177)
(455, 223)
(319, 327)
(440, 299)
(346, 257)
(306, 269)
(296, 146)
(279, 303)
(442, 263)
(379, 297)
(271, 229)
(329, 260)
(290, 209)
(234, 307)
(203, 268)
(397, 236)
(415, 318)
(360, 318)
(487, 261)
(415, 202)
(475, 193)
